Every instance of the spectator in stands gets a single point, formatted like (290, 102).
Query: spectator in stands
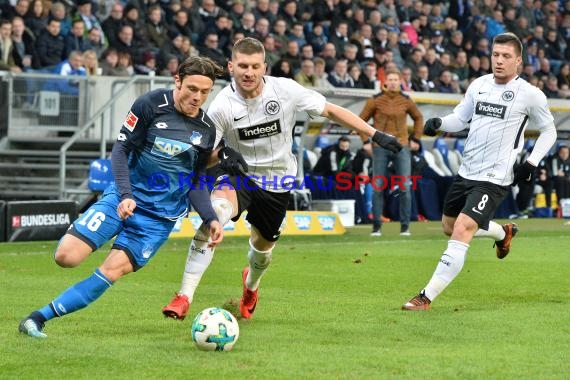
(390, 110)
(222, 28)
(297, 34)
(261, 10)
(211, 49)
(133, 18)
(288, 12)
(339, 37)
(36, 18)
(181, 25)
(460, 67)
(188, 49)
(307, 52)
(75, 40)
(95, 42)
(329, 56)
(109, 64)
(173, 46)
(293, 55)
(544, 70)
(90, 63)
(282, 68)
(248, 25)
(21, 9)
(208, 12)
(419, 163)
(148, 65)
(350, 54)
(73, 66)
(415, 60)
(422, 82)
(113, 24)
(355, 73)
(24, 51)
(195, 20)
(126, 62)
(59, 12)
(7, 62)
(455, 43)
(50, 46)
(564, 75)
(317, 39)
(446, 85)
(551, 89)
(171, 67)
(321, 74)
(433, 63)
(280, 34)
(363, 41)
(339, 77)
(125, 43)
(236, 13)
(369, 77)
(84, 8)
(306, 76)
(156, 28)
(561, 172)
(271, 53)
(335, 159)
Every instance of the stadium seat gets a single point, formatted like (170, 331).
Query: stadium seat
(100, 175)
(430, 159)
(455, 155)
(441, 155)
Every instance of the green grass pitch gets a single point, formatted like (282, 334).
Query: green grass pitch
(329, 309)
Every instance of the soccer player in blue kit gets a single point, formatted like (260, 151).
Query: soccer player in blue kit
(166, 136)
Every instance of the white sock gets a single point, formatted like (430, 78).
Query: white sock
(494, 231)
(199, 254)
(258, 263)
(447, 269)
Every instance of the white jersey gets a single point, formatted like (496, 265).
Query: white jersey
(498, 115)
(261, 129)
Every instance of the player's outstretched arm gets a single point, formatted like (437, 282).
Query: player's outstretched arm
(348, 119)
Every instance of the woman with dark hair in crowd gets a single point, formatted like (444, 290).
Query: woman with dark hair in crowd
(282, 68)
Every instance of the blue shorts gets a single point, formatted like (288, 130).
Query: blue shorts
(139, 236)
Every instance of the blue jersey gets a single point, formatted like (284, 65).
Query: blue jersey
(167, 149)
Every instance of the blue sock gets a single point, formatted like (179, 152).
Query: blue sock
(78, 296)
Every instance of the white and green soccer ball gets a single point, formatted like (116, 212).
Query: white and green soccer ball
(215, 329)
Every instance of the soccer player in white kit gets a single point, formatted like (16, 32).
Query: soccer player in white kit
(497, 108)
(256, 115)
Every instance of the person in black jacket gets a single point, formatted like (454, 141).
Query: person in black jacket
(50, 46)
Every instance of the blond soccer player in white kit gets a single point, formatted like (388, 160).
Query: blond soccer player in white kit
(497, 109)
(256, 115)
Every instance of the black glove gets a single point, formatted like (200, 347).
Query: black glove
(431, 126)
(387, 141)
(231, 161)
(524, 172)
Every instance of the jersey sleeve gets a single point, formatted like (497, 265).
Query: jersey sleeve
(308, 100)
(219, 112)
(464, 110)
(134, 128)
(539, 112)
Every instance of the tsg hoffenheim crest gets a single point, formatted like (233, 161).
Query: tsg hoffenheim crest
(196, 138)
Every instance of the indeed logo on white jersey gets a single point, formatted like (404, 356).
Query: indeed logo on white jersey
(261, 130)
(490, 109)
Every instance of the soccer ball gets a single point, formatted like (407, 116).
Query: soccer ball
(215, 329)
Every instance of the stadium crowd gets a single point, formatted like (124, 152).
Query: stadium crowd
(439, 46)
